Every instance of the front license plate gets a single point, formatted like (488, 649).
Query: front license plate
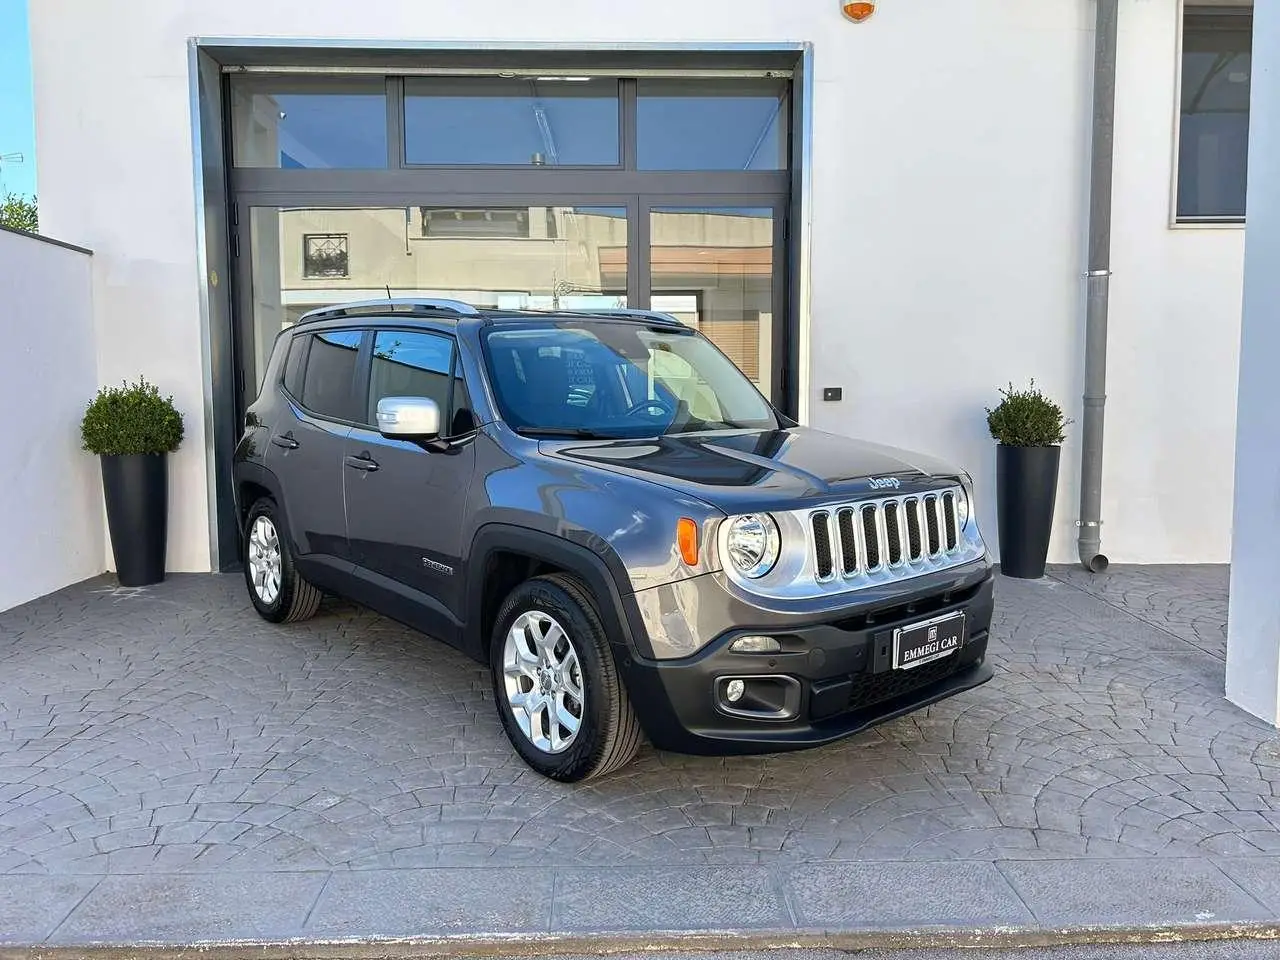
(928, 641)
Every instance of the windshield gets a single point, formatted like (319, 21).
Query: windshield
(614, 378)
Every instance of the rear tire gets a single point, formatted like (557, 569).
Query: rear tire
(557, 689)
(279, 593)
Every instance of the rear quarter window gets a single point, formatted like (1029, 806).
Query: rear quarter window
(294, 364)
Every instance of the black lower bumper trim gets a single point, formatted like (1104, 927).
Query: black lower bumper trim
(845, 675)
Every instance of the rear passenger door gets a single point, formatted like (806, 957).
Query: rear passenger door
(307, 445)
(406, 504)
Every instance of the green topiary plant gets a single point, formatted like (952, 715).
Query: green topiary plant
(1026, 418)
(131, 419)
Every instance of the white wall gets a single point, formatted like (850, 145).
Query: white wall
(1253, 632)
(1175, 328)
(950, 146)
(51, 521)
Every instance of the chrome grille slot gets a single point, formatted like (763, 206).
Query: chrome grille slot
(912, 509)
(848, 541)
(949, 519)
(893, 531)
(871, 536)
(823, 563)
(931, 524)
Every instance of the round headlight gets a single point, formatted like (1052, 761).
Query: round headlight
(962, 505)
(753, 544)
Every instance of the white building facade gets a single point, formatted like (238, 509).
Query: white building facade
(895, 208)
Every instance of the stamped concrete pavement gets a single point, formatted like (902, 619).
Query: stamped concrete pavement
(174, 769)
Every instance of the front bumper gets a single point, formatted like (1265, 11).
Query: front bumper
(839, 669)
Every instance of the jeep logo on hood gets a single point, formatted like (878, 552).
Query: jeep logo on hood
(884, 483)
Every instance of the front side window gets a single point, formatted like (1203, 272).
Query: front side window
(331, 368)
(410, 364)
(618, 379)
(1213, 138)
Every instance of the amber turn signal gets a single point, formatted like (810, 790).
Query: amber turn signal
(858, 10)
(687, 540)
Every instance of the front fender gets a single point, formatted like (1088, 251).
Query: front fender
(585, 556)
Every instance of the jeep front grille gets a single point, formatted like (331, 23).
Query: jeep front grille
(897, 537)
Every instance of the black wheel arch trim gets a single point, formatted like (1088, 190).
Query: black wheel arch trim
(262, 477)
(600, 569)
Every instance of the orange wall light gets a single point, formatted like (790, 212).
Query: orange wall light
(687, 540)
(858, 10)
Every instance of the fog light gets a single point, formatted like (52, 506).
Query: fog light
(734, 690)
(756, 645)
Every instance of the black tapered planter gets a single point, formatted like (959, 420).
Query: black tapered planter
(136, 488)
(1026, 486)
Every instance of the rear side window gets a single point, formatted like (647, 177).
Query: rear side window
(331, 368)
(293, 366)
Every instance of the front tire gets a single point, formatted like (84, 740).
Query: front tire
(279, 593)
(557, 690)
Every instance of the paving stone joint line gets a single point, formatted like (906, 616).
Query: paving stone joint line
(174, 738)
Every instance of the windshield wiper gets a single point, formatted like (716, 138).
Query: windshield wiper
(703, 426)
(572, 433)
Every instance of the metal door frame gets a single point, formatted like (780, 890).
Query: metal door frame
(223, 194)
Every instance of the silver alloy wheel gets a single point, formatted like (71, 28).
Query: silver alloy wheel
(543, 681)
(264, 559)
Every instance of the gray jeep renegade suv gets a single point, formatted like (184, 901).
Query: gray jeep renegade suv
(606, 511)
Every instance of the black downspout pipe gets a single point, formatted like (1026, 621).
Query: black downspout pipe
(1097, 290)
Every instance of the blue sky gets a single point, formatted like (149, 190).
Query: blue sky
(17, 129)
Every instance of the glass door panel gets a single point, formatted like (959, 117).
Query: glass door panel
(713, 268)
(514, 257)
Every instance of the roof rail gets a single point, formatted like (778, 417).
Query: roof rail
(625, 312)
(391, 305)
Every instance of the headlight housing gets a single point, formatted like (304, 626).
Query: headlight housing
(962, 506)
(753, 544)
(964, 501)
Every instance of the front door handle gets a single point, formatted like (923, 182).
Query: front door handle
(285, 441)
(365, 463)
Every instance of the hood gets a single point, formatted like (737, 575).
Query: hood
(744, 470)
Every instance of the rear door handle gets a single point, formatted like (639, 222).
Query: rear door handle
(285, 441)
(365, 463)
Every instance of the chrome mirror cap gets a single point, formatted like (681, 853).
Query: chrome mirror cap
(409, 417)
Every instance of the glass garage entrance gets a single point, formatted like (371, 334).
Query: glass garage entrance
(519, 188)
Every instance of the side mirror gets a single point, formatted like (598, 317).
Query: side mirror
(409, 418)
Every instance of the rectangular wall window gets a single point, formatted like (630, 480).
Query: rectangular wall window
(1213, 141)
(324, 255)
(547, 121)
(712, 124)
(304, 123)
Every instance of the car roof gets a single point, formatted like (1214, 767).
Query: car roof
(430, 308)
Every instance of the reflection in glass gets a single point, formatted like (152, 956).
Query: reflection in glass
(407, 364)
(617, 380)
(535, 121)
(1213, 143)
(295, 122)
(552, 257)
(713, 269)
(712, 124)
